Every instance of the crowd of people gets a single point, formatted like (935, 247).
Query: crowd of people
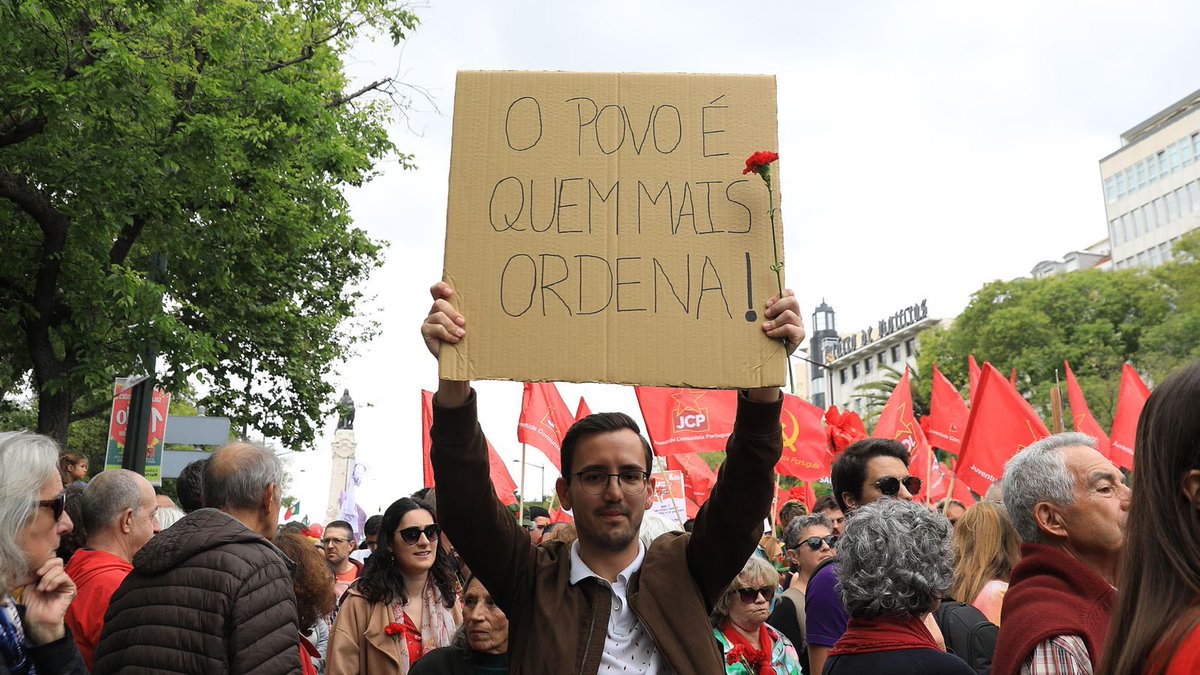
(1061, 567)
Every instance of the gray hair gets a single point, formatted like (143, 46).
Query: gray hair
(237, 475)
(756, 573)
(653, 527)
(791, 536)
(895, 558)
(168, 516)
(108, 495)
(1039, 474)
(27, 461)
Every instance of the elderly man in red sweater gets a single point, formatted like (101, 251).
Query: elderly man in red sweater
(119, 516)
(1069, 504)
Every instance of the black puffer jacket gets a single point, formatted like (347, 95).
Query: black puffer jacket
(206, 596)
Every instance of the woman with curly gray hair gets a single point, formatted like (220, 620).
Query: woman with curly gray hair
(896, 561)
(35, 591)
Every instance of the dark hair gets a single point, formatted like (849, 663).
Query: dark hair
(427, 496)
(311, 578)
(74, 540)
(850, 469)
(599, 423)
(537, 512)
(344, 525)
(826, 503)
(381, 580)
(372, 525)
(66, 460)
(190, 486)
(1161, 563)
(791, 509)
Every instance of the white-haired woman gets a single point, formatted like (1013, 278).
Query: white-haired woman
(36, 590)
(750, 645)
(895, 563)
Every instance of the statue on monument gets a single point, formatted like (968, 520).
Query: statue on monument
(345, 408)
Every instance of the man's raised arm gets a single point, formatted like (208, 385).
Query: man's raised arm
(483, 532)
(727, 528)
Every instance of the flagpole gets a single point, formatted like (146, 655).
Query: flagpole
(953, 477)
(521, 501)
(1056, 409)
(929, 473)
(772, 517)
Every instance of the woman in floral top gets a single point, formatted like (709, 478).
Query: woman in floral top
(739, 619)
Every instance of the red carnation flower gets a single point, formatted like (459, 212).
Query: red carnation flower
(760, 162)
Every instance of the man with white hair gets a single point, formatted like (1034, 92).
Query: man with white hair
(119, 518)
(211, 594)
(1069, 504)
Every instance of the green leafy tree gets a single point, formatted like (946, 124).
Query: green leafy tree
(171, 179)
(1096, 320)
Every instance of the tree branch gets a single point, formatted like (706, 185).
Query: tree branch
(17, 130)
(94, 411)
(350, 97)
(125, 240)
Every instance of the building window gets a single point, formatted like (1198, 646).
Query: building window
(1141, 174)
(1173, 154)
(1120, 184)
(908, 348)
(1181, 198)
(1194, 193)
(1185, 151)
(1172, 206)
(1160, 212)
(1155, 257)
(1115, 231)
(881, 359)
(896, 354)
(867, 366)
(842, 374)
(1139, 222)
(854, 371)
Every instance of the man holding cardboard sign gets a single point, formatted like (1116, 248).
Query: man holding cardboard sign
(605, 600)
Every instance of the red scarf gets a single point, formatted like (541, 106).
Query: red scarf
(869, 636)
(759, 660)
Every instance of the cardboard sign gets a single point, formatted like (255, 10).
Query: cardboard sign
(600, 229)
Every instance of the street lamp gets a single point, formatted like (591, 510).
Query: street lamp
(541, 482)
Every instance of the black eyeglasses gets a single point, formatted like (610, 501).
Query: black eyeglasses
(890, 485)
(815, 542)
(56, 505)
(334, 540)
(750, 595)
(595, 481)
(412, 535)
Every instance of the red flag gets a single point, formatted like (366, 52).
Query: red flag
(921, 458)
(287, 515)
(843, 429)
(1001, 424)
(896, 420)
(426, 441)
(687, 420)
(805, 449)
(502, 480)
(544, 420)
(582, 410)
(948, 414)
(940, 488)
(1081, 416)
(698, 478)
(805, 494)
(1130, 402)
(692, 508)
(557, 515)
(974, 376)
(1013, 378)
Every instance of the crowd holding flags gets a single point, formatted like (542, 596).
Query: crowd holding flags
(980, 437)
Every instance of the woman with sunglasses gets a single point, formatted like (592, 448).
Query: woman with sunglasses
(35, 589)
(808, 541)
(1155, 625)
(739, 619)
(404, 604)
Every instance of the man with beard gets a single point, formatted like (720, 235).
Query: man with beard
(606, 600)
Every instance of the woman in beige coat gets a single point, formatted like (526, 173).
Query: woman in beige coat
(403, 605)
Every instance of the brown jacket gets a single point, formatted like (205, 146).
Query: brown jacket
(556, 628)
(359, 643)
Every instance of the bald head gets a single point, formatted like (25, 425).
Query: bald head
(244, 480)
(119, 512)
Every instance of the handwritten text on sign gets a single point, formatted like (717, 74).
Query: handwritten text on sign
(606, 217)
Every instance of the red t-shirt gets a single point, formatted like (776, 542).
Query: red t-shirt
(1187, 658)
(97, 575)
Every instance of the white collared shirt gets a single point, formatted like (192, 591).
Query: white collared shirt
(628, 647)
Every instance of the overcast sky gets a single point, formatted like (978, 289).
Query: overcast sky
(926, 148)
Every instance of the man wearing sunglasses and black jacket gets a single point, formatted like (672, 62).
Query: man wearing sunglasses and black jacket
(867, 471)
(606, 600)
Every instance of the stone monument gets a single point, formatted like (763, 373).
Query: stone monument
(343, 458)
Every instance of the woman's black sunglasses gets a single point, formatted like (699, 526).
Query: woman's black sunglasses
(815, 542)
(890, 486)
(56, 505)
(412, 535)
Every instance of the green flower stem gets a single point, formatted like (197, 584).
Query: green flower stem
(777, 268)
